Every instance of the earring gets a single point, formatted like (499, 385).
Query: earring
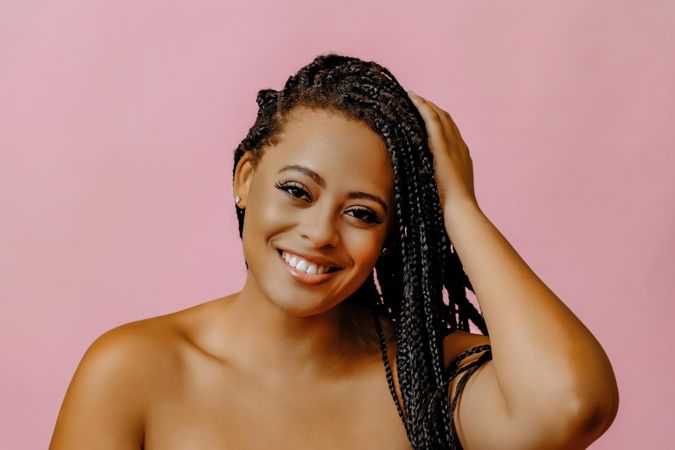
(385, 251)
(237, 199)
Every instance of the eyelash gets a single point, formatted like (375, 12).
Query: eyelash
(288, 187)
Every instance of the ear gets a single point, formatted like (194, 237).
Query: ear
(243, 176)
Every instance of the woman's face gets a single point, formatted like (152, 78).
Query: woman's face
(325, 192)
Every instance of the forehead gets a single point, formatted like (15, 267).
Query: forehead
(340, 149)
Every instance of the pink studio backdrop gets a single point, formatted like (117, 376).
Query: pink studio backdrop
(118, 121)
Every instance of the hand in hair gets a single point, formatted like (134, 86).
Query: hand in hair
(453, 168)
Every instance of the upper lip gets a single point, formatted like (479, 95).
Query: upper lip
(316, 259)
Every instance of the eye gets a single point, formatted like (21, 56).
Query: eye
(296, 191)
(292, 189)
(366, 215)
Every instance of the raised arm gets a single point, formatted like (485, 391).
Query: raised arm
(549, 383)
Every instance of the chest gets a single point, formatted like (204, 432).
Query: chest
(213, 407)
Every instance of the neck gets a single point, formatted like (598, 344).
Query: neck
(290, 346)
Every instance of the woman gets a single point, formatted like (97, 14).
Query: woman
(355, 202)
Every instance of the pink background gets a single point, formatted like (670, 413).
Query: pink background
(118, 121)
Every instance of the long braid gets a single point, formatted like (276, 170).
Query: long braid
(422, 262)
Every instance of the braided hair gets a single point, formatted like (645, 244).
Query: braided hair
(407, 284)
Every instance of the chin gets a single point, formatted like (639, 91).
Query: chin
(295, 305)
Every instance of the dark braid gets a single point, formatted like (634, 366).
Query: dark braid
(421, 262)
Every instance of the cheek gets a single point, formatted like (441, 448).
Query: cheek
(268, 212)
(364, 250)
(263, 218)
(363, 246)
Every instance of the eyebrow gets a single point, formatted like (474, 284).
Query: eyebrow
(321, 182)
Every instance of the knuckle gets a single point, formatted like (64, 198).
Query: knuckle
(436, 119)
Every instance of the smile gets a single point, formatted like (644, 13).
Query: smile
(304, 271)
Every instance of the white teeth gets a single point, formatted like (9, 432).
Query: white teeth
(303, 265)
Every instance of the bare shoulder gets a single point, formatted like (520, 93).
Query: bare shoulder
(136, 350)
(117, 377)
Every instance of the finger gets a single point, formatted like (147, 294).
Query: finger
(432, 120)
(449, 128)
(447, 121)
(449, 125)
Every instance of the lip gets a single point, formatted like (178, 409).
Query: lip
(306, 278)
(319, 261)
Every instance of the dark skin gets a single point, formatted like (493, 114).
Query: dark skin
(283, 364)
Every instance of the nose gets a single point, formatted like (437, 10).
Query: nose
(319, 227)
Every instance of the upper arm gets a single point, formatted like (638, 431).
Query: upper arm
(482, 418)
(104, 405)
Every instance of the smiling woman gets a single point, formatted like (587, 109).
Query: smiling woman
(320, 194)
(354, 200)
